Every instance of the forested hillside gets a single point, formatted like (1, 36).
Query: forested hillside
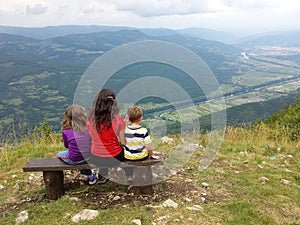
(38, 77)
(287, 121)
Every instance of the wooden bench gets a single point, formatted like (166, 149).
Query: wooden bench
(53, 174)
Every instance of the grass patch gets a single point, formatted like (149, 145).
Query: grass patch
(235, 195)
(241, 212)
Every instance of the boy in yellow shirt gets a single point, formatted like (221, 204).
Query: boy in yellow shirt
(138, 142)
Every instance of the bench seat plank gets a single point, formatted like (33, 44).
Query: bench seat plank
(55, 164)
(51, 164)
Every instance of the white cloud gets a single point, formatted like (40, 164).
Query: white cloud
(247, 5)
(152, 8)
(36, 9)
(240, 16)
(92, 9)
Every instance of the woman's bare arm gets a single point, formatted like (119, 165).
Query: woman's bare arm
(122, 137)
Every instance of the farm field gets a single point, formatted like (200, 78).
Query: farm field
(204, 109)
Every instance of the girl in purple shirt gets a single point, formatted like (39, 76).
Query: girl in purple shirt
(76, 139)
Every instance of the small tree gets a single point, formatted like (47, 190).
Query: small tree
(43, 132)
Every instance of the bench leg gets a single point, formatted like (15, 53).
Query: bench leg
(142, 181)
(54, 184)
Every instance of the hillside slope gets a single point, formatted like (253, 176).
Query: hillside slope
(38, 78)
(287, 121)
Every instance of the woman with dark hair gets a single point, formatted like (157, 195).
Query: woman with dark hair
(106, 128)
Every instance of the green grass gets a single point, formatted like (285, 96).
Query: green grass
(235, 195)
(241, 212)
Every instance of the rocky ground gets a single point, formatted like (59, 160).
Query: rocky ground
(114, 195)
(111, 195)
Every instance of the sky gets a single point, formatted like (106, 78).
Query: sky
(240, 17)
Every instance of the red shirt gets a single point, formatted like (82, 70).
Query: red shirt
(106, 143)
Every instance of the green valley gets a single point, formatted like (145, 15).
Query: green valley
(38, 77)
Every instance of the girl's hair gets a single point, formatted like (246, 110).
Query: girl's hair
(134, 114)
(104, 109)
(75, 118)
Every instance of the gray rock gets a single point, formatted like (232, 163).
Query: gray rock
(187, 199)
(116, 198)
(74, 199)
(264, 180)
(22, 217)
(85, 214)
(195, 208)
(170, 203)
(137, 221)
(204, 184)
(287, 170)
(201, 147)
(167, 140)
(285, 182)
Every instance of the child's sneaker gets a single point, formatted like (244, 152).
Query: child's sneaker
(92, 179)
(101, 179)
(129, 181)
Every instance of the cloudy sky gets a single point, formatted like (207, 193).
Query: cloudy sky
(241, 17)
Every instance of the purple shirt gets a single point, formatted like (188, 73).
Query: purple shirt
(78, 145)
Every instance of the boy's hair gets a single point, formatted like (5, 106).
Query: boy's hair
(134, 114)
(74, 118)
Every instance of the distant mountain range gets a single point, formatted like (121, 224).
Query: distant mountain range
(44, 33)
(41, 67)
(282, 38)
(208, 34)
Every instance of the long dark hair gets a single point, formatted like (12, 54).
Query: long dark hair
(104, 109)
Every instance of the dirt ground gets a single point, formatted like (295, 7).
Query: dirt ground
(113, 195)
